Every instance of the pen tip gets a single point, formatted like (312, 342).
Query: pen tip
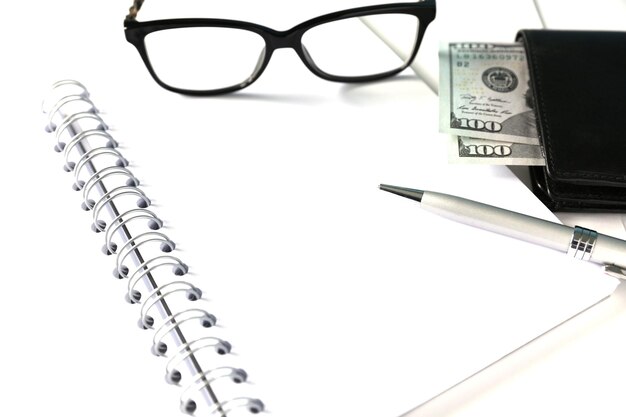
(410, 193)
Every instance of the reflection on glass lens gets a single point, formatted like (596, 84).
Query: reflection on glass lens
(204, 58)
(361, 46)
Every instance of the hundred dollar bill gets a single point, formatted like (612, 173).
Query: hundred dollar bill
(467, 150)
(484, 92)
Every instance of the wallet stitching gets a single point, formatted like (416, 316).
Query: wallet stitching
(587, 195)
(594, 176)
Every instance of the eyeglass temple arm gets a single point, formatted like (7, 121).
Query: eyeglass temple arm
(134, 9)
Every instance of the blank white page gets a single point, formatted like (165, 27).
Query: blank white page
(340, 299)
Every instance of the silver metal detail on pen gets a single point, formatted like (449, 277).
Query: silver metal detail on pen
(410, 193)
(615, 271)
(111, 191)
(582, 243)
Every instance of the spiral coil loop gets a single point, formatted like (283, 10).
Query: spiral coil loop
(172, 375)
(178, 268)
(84, 138)
(253, 405)
(72, 119)
(133, 244)
(88, 157)
(100, 175)
(154, 223)
(108, 198)
(193, 294)
(51, 127)
(236, 375)
(207, 320)
(87, 134)
(55, 98)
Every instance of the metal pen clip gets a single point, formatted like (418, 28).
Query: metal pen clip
(615, 272)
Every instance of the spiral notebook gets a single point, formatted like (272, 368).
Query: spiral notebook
(309, 295)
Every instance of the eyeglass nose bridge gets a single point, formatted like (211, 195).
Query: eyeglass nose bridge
(291, 39)
(274, 40)
(285, 39)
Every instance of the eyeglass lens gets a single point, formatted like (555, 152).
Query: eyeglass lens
(351, 47)
(204, 58)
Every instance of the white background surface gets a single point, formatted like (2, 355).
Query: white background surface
(574, 370)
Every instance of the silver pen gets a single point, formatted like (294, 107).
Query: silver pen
(578, 242)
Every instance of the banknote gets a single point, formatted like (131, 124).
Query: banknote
(468, 150)
(484, 92)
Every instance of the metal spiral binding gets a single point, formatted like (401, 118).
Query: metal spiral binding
(91, 141)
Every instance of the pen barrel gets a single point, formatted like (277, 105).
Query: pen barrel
(609, 251)
(516, 225)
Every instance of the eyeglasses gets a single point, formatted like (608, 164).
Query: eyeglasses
(215, 56)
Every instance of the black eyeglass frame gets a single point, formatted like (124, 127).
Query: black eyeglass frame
(136, 32)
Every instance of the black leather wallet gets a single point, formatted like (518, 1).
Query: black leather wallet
(578, 81)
